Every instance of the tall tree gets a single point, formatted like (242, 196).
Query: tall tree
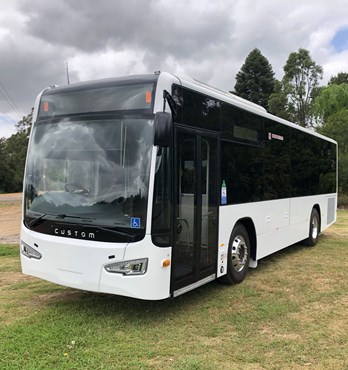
(300, 84)
(301, 79)
(255, 80)
(278, 102)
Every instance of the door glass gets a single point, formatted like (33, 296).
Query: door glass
(185, 220)
(195, 234)
(209, 203)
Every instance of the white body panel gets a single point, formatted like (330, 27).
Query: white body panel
(278, 223)
(80, 264)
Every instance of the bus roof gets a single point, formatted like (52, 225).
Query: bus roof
(185, 81)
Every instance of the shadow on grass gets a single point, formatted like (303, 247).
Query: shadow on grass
(105, 306)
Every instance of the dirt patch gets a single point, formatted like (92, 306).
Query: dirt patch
(10, 218)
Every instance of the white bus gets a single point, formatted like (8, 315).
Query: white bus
(150, 186)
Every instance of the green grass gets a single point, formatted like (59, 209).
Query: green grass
(290, 313)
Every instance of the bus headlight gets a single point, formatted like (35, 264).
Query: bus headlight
(29, 252)
(133, 267)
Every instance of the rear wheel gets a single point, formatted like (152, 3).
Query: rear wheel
(238, 256)
(314, 229)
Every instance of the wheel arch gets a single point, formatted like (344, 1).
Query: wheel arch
(248, 223)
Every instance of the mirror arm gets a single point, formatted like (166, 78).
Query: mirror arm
(167, 97)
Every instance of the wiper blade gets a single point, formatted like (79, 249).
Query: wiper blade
(130, 237)
(36, 220)
(63, 215)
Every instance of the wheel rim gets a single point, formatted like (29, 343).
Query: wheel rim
(315, 227)
(239, 253)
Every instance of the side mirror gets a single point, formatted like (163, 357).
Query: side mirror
(163, 129)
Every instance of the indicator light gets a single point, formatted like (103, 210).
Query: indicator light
(166, 262)
(148, 97)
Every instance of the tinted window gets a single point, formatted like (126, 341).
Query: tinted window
(304, 164)
(277, 160)
(313, 165)
(240, 125)
(327, 179)
(242, 170)
(201, 111)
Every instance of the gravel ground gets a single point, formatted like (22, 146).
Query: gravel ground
(10, 217)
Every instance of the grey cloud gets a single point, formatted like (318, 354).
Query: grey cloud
(203, 38)
(90, 26)
(27, 66)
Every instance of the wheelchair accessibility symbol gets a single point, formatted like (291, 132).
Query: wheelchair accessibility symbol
(135, 222)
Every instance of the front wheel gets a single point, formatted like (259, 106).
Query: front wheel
(314, 229)
(238, 256)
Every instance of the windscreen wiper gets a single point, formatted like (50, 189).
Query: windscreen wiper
(36, 220)
(63, 215)
(130, 237)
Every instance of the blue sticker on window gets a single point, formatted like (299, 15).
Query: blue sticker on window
(135, 223)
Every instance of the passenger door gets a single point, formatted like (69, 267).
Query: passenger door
(195, 209)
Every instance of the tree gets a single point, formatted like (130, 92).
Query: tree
(341, 78)
(255, 80)
(300, 86)
(12, 156)
(278, 102)
(24, 125)
(332, 99)
(7, 173)
(331, 109)
(336, 127)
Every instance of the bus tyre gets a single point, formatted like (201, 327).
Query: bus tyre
(238, 256)
(314, 229)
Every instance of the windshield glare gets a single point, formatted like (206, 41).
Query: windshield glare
(94, 169)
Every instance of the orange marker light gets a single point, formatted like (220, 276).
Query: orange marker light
(166, 263)
(45, 106)
(148, 97)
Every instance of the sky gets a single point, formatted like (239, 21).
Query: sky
(205, 39)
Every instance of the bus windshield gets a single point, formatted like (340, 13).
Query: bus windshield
(91, 171)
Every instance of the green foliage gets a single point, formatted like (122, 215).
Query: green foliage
(278, 102)
(255, 80)
(342, 201)
(12, 156)
(336, 127)
(331, 100)
(7, 174)
(299, 86)
(341, 78)
(24, 125)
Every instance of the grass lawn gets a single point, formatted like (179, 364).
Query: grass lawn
(290, 313)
